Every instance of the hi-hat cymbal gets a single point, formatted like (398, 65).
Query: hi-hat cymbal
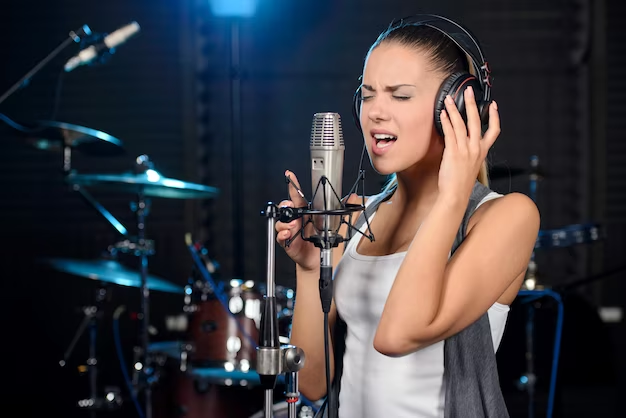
(150, 182)
(110, 271)
(54, 136)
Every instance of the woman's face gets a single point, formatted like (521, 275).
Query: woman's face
(397, 113)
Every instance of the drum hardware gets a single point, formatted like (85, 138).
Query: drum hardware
(130, 246)
(529, 379)
(532, 290)
(240, 290)
(146, 182)
(92, 315)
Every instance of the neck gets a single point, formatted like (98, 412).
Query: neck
(418, 188)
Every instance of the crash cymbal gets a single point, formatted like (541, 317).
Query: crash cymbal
(54, 136)
(150, 182)
(110, 271)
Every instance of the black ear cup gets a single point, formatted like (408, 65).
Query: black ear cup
(455, 86)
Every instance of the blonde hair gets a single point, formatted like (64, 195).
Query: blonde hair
(483, 178)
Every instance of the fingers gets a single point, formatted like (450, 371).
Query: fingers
(494, 126)
(473, 117)
(296, 197)
(448, 131)
(285, 231)
(457, 123)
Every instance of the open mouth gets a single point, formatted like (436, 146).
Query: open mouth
(384, 140)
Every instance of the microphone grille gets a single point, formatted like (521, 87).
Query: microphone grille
(326, 130)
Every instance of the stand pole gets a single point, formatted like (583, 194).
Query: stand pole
(89, 321)
(74, 36)
(145, 302)
(105, 213)
(272, 359)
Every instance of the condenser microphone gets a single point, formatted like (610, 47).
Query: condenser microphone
(109, 43)
(327, 153)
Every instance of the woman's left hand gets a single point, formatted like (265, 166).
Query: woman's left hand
(465, 147)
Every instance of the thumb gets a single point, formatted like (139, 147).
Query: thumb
(294, 193)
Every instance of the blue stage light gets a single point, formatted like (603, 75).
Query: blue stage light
(233, 8)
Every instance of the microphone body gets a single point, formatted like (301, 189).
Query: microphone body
(109, 43)
(327, 155)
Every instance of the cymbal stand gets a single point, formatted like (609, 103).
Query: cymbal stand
(90, 321)
(142, 251)
(272, 359)
(96, 205)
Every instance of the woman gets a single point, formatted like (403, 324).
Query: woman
(425, 303)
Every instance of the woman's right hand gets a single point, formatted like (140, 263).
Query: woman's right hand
(302, 252)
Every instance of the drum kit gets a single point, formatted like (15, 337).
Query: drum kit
(209, 372)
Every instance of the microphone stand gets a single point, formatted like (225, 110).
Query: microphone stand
(326, 240)
(74, 36)
(272, 359)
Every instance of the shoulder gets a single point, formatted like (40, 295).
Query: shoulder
(355, 199)
(514, 209)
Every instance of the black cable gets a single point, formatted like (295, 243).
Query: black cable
(327, 361)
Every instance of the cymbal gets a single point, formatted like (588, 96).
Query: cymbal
(110, 271)
(54, 136)
(150, 182)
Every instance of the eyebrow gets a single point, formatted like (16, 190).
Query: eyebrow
(388, 88)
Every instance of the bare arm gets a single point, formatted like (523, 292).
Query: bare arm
(445, 297)
(307, 329)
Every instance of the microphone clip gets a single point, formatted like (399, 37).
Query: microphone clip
(103, 53)
(326, 238)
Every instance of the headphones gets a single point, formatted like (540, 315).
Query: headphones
(479, 77)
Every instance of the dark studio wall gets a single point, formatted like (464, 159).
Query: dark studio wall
(230, 106)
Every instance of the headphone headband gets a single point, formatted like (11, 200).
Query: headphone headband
(464, 40)
(455, 84)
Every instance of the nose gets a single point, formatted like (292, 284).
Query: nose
(375, 110)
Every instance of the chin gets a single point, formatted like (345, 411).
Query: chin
(384, 168)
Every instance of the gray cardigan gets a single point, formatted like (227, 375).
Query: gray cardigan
(470, 369)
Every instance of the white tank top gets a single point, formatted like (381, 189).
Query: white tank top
(374, 385)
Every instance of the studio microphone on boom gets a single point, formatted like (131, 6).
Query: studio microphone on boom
(327, 155)
(109, 43)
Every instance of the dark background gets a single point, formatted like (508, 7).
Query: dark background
(228, 103)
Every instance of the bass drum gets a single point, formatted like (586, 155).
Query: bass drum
(224, 323)
(281, 410)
